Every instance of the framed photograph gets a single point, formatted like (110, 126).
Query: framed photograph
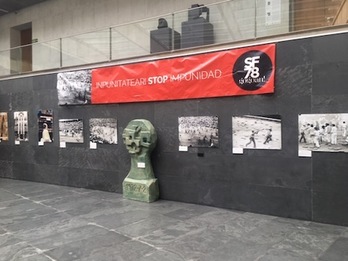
(199, 131)
(257, 132)
(3, 126)
(21, 125)
(71, 130)
(45, 124)
(103, 130)
(323, 132)
(74, 87)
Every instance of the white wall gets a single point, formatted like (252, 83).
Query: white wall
(54, 19)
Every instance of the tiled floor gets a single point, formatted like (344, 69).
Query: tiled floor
(47, 222)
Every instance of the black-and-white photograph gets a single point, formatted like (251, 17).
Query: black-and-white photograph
(323, 132)
(103, 130)
(45, 122)
(257, 132)
(200, 131)
(21, 125)
(71, 130)
(74, 87)
(3, 126)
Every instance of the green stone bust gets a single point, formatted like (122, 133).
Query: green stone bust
(140, 139)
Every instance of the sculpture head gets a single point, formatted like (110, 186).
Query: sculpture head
(139, 136)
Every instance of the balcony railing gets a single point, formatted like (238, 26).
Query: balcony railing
(221, 23)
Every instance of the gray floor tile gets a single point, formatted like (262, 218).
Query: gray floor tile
(146, 226)
(5, 196)
(40, 222)
(129, 250)
(85, 247)
(338, 251)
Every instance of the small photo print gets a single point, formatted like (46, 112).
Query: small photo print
(71, 130)
(45, 122)
(199, 131)
(21, 125)
(323, 132)
(257, 132)
(74, 87)
(103, 130)
(3, 126)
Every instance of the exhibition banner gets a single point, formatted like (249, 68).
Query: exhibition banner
(245, 71)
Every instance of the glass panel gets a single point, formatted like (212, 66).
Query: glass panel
(86, 48)
(16, 60)
(134, 39)
(272, 17)
(5, 63)
(46, 55)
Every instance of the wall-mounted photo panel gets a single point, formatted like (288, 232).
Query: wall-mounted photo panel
(45, 122)
(200, 131)
(257, 132)
(323, 132)
(3, 126)
(71, 130)
(21, 125)
(103, 130)
(74, 87)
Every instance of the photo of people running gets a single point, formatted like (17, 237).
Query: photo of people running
(323, 132)
(200, 131)
(257, 132)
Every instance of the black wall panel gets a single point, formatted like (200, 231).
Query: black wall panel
(311, 77)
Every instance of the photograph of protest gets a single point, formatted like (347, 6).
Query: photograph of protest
(74, 87)
(257, 132)
(200, 131)
(323, 132)
(103, 130)
(21, 125)
(71, 130)
(45, 124)
(3, 126)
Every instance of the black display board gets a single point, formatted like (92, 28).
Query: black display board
(311, 77)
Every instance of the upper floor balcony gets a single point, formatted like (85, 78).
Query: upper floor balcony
(196, 27)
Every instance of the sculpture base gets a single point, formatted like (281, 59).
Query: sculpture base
(145, 190)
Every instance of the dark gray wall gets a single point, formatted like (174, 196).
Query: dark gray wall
(311, 77)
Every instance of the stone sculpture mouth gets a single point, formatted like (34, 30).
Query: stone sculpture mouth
(134, 148)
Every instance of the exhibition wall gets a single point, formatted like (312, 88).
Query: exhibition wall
(274, 179)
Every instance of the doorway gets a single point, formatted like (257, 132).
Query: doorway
(21, 48)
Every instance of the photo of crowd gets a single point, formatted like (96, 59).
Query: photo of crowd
(103, 130)
(74, 87)
(200, 131)
(3, 126)
(257, 132)
(323, 132)
(71, 130)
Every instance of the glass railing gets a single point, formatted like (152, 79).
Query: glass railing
(221, 23)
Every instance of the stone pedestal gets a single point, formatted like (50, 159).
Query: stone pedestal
(141, 190)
